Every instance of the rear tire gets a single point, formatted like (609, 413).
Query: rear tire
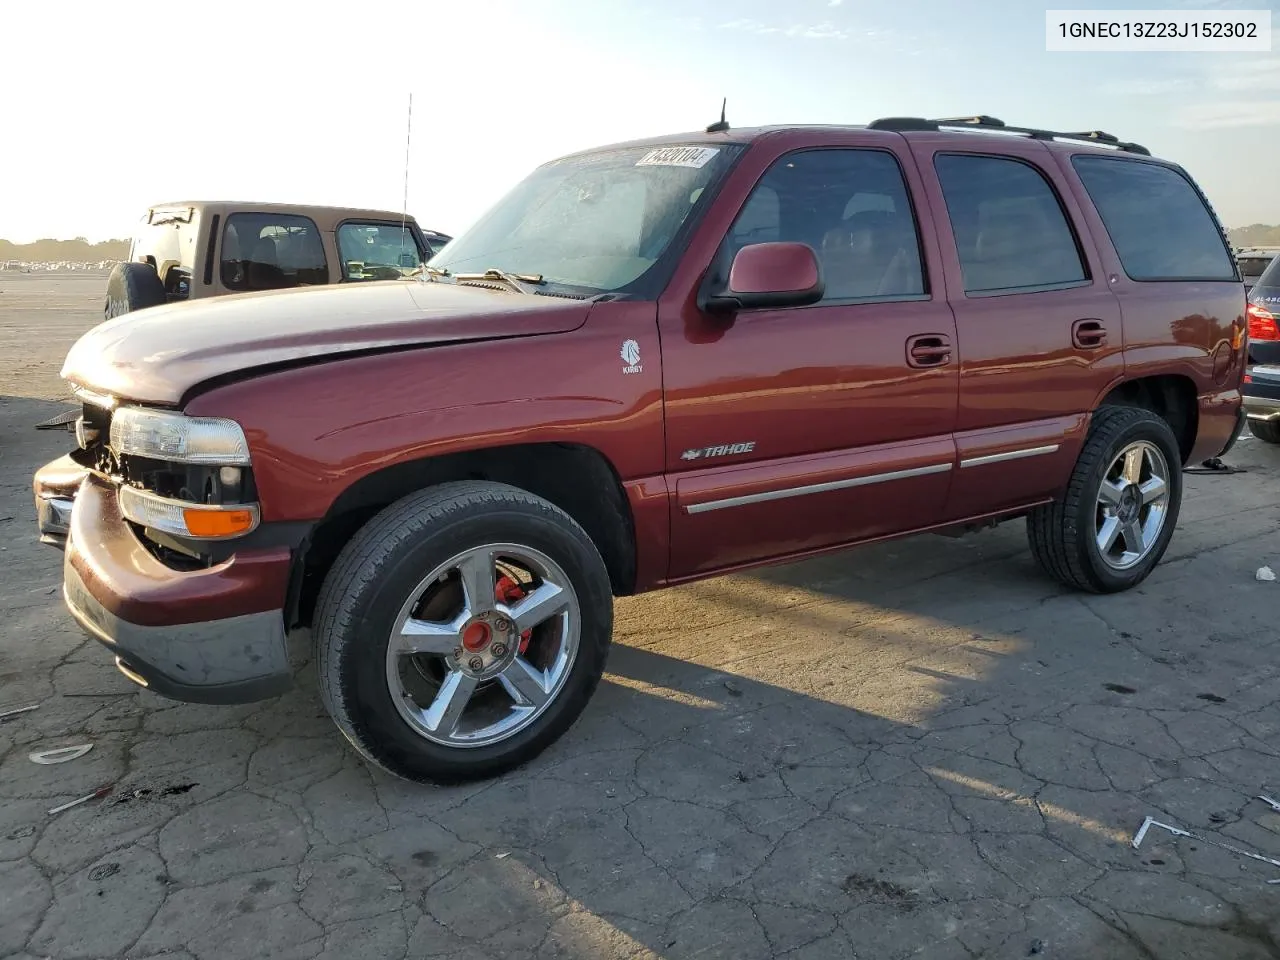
(412, 578)
(133, 286)
(1268, 431)
(1068, 536)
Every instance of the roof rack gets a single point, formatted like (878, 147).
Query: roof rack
(982, 122)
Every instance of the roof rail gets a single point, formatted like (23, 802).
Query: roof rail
(981, 122)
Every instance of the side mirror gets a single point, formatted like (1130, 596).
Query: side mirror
(769, 275)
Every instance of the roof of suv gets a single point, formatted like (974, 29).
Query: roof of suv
(219, 206)
(1093, 140)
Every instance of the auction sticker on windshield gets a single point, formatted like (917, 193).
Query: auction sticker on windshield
(678, 157)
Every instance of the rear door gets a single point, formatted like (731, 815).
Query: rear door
(791, 430)
(1040, 335)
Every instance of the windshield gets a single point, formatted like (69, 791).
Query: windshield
(597, 221)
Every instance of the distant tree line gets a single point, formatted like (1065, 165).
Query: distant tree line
(1256, 235)
(78, 249)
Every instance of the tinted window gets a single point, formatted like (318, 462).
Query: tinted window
(1268, 285)
(852, 208)
(271, 251)
(1010, 230)
(377, 251)
(1251, 268)
(1158, 223)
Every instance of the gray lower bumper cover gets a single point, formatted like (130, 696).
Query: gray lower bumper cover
(237, 660)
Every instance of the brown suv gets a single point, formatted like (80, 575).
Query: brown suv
(647, 364)
(202, 248)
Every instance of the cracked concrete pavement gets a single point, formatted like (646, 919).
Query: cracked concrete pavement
(917, 749)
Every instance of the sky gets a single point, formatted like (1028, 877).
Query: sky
(106, 112)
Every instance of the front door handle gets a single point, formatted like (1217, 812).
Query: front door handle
(928, 350)
(1088, 334)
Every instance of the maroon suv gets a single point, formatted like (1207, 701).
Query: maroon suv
(650, 363)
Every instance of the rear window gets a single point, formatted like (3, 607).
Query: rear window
(1268, 284)
(1159, 224)
(1251, 268)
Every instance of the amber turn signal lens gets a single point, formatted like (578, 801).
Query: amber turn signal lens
(218, 523)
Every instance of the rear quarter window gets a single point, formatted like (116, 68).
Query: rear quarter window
(1158, 222)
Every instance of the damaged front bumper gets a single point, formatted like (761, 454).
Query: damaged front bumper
(54, 488)
(213, 635)
(210, 635)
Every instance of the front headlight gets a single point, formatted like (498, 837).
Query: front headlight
(161, 435)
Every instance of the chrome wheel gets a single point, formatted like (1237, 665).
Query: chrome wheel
(483, 645)
(1133, 504)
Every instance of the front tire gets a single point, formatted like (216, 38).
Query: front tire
(462, 631)
(1115, 521)
(1267, 431)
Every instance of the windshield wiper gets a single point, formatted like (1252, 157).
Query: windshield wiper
(515, 281)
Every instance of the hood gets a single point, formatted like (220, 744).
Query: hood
(158, 354)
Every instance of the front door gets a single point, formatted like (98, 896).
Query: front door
(792, 430)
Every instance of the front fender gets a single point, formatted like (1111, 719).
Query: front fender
(315, 430)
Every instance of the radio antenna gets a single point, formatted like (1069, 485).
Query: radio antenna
(404, 214)
(721, 125)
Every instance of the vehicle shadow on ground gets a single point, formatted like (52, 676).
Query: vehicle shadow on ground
(806, 761)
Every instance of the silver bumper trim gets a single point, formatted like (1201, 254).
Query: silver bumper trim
(1261, 408)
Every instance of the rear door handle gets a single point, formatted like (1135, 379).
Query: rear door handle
(928, 350)
(1088, 334)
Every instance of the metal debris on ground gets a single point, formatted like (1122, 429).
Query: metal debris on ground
(1179, 832)
(149, 793)
(61, 754)
(96, 795)
(1266, 574)
(104, 870)
(6, 714)
(1269, 802)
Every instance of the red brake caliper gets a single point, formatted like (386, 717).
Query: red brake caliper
(511, 593)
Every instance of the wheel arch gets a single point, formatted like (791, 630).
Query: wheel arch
(576, 478)
(1171, 396)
